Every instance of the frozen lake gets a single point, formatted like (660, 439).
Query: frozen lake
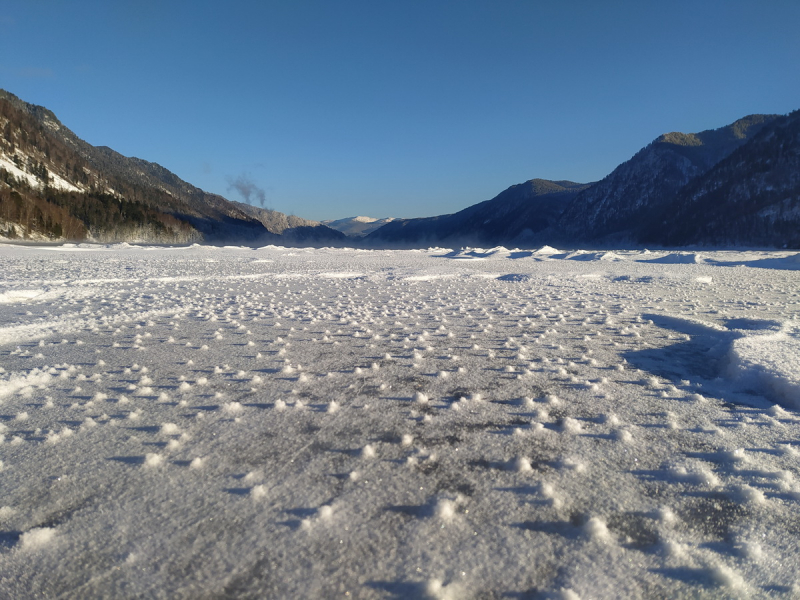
(287, 423)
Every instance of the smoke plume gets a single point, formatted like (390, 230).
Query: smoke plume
(248, 190)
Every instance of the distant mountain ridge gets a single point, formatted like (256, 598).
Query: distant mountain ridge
(737, 185)
(357, 226)
(293, 228)
(54, 185)
(734, 186)
(514, 216)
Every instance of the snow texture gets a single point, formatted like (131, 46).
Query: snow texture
(483, 423)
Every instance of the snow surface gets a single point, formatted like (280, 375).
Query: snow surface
(229, 422)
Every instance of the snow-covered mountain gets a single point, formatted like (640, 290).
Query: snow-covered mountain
(357, 226)
(54, 185)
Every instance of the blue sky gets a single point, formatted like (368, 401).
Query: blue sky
(395, 108)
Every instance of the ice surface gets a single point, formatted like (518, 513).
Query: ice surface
(488, 423)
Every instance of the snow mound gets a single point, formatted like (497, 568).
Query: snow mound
(792, 260)
(768, 363)
(515, 277)
(789, 263)
(580, 255)
(546, 251)
(37, 539)
(591, 256)
(479, 253)
(429, 277)
(342, 275)
(14, 382)
(678, 258)
(17, 296)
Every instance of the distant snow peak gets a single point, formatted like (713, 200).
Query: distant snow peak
(358, 226)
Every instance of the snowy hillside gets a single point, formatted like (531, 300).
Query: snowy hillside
(275, 423)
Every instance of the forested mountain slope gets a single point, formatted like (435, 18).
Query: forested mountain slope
(54, 185)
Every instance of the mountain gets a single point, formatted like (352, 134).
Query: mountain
(54, 185)
(515, 216)
(292, 229)
(357, 226)
(618, 205)
(736, 185)
(751, 197)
